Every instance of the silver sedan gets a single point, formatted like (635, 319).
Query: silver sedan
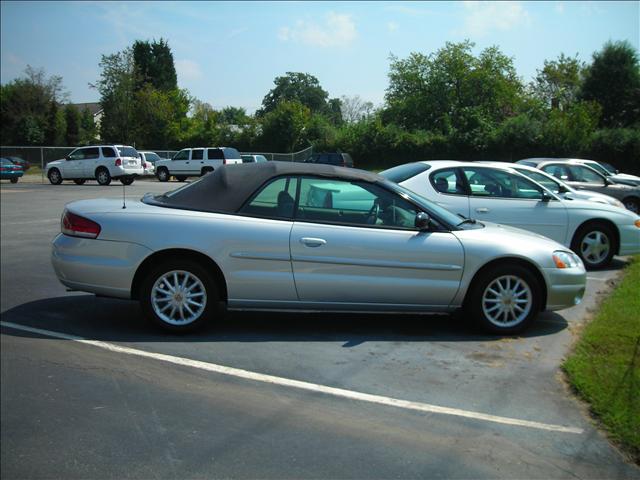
(308, 237)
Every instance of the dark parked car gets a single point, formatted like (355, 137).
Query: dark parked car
(9, 170)
(338, 159)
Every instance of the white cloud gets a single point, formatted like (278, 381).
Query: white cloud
(392, 26)
(188, 70)
(483, 17)
(337, 30)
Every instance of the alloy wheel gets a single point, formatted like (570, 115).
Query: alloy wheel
(178, 297)
(507, 301)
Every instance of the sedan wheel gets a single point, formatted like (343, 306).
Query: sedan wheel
(163, 175)
(504, 299)
(54, 176)
(632, 204)
(594, 244)
(179, 296)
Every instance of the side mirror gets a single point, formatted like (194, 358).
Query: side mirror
(422, 221)
(608, 182)
(545, 196)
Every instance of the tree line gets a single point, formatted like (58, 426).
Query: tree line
(450, 103)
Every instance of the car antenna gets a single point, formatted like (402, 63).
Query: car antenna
(124, 205)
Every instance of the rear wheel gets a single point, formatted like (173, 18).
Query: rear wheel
(126, 180)
(54, 176)
(103, 176)
(14, 180)
(79, 181)
(181, 178)
(179, 296)
(504, 299)
(162, 174)
(595, 245)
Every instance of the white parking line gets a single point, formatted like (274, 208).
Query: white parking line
(598, 279)
(313, 387)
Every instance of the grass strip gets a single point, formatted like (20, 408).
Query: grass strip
(604, 367)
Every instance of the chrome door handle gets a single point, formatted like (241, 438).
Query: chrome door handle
(482, 210)
(312, 242)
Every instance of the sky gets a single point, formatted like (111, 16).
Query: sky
(229, 53)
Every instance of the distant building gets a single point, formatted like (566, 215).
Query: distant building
(95, 108)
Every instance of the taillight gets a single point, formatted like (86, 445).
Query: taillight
(77, 226)
(118, 162)
(224, 161)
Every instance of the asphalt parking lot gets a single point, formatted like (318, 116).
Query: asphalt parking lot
(90, 390)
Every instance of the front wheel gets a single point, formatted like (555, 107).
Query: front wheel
(179, 296)
(14, 180)
(126, 180)
(103, 177)
(504, 299)
(54, 176)
(163, 175)
(594, 244)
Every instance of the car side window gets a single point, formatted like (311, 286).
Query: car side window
(77, 154)
(486, 182)
(581, 174)
(559, 171)
(447, 181)
(215, 154)
(353, 203)
(275, 200)
(197, 154)
(91, 153)
(182, 155)
(108, 152)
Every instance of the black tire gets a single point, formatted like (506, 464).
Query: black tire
(205, 170)
(512, 311)
(152, 300)
(126, 180)
(595, 244)
(632, 204)
(103, 177)
(54, 176)
(162, 174)
(14, 180)
(79, 181)
(181, 178)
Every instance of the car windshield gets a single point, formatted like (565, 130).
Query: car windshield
(404, 172)
(547, 182)
(610, 168)
(153, 157)
(599, 168)
(428, 206)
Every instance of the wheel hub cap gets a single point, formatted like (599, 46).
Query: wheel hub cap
(507, 301)
(178, 297)
(595, 247)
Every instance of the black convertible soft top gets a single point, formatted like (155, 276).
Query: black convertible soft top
(227, 188)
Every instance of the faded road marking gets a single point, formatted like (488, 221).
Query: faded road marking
(312, 387)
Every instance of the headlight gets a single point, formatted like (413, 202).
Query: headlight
(566, 259)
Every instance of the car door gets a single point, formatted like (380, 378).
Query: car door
(73, 165)
(90, 162)
(511, 199)
(353, 245)
(179, 162)
(196, 162)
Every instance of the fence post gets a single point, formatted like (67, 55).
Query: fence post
(42, 163)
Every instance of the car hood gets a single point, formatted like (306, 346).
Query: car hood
(56, 162)
(624, 187)
(603, 208)
(624, 177)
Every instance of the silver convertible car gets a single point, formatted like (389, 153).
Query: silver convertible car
(314, 237)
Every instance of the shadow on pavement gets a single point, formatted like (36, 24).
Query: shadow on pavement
(118, 320)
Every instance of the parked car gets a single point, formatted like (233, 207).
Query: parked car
(595, 231)
(557, 186)
(600, 167)
(148, 162)
(10, 171)
(102, 162)
(20, 161)
(337, 158)
(195, 162)
(583, 177)
(254, 158)
(251, 237)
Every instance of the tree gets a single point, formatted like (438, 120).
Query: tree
(355, 109)
(558, 84)
(283, 128)
(72, 119)
(154, 65)
(117, 97)
(233, 116)
(613, 80)
(295, 87)
(88, 130)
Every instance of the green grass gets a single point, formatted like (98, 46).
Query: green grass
(605, 365)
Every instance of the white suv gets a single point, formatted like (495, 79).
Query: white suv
(102, 162)
(195, 162)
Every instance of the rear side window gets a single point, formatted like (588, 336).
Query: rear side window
(447, 181)
(275, 200)
(108, 152)
(128, 152)
(215, 154)
(197, 154)
(90, 153)
(404, 172)
(232, 153)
